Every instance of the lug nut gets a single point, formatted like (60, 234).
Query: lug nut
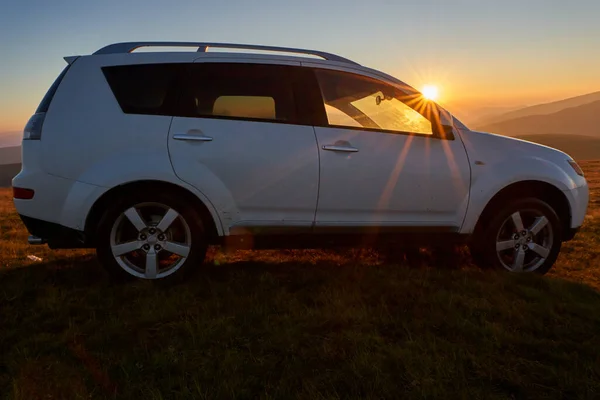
(152, 231)
(146, 247)
(516, 237)
(143, 237)
(517, 247)
(524, 233)
(528, 240)
(157, 247)
(525, 247)
(161, 237)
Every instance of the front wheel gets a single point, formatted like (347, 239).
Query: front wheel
(151, 236)
(525, 236)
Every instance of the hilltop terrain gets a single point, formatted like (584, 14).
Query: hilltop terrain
(346, 323)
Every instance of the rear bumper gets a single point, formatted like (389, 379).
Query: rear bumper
(57, 236)
(62, 201)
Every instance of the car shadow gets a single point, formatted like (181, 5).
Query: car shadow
(84, 271)
(81, 281)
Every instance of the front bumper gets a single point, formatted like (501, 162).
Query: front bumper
(579, 198)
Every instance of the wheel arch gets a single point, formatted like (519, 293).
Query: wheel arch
(519, 190)
(103, 202)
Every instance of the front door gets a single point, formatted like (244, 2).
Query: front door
(238, 140)
(382, 162)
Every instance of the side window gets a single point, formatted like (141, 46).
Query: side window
(240, 91)
(356, 101)
(144, 88)
(260, 107)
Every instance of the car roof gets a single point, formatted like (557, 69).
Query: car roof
(275, 54)
(202, 48)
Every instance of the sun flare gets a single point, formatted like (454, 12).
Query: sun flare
(430, 92)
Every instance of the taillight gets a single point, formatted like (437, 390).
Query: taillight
(23, 194)
(33, 129)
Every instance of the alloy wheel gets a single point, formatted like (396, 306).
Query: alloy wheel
(150, 240)
(524, 241)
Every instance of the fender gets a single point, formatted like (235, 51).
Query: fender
(492, 170)
(131, 166)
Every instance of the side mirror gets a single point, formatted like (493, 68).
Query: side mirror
(446, 119)
(445, 124)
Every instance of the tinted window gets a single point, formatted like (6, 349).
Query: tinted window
(244, 91)
(357, 101)
(144, 89)
(45, 103)
(261, 107)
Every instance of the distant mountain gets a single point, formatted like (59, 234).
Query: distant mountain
(10, 155)
(543, 109)
(7, 172)
(473, 116)
(580, 120)
(10, 164)
(10, 139)
(484, 114)
(577, 146)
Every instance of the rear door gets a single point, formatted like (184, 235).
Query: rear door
(238, 139)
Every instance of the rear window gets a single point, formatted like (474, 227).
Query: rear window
(144, 89)
(206, 90)
(45, 103)
(239, 91)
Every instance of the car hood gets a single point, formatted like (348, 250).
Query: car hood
(506, 160)
(492, 146)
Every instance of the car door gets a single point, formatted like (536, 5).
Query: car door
(383, 160)
(239, 140)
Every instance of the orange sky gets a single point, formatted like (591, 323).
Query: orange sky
(479, 53)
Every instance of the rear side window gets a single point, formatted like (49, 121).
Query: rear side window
(261, 107)
(239, 91)
(144, 89)
(45, 103)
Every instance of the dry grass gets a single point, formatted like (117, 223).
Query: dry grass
(299, 324)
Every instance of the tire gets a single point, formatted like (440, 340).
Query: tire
(160, 237)
(538, 237)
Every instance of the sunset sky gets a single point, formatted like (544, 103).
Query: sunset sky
(478, 52)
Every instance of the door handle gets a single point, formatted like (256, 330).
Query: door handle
(345, 149)
(193, 138)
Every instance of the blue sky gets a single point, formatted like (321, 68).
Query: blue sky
(478, 52)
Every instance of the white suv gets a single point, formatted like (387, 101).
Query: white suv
(150, 157)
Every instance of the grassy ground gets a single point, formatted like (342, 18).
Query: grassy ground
(299, 324)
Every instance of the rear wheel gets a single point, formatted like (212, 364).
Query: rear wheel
(151, 236)
(525, 236)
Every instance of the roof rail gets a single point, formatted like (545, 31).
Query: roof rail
(128, 47)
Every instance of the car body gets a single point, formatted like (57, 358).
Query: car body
(269, 148)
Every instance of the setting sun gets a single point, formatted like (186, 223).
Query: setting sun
(430, 92)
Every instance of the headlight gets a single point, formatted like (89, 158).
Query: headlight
(576, 167)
